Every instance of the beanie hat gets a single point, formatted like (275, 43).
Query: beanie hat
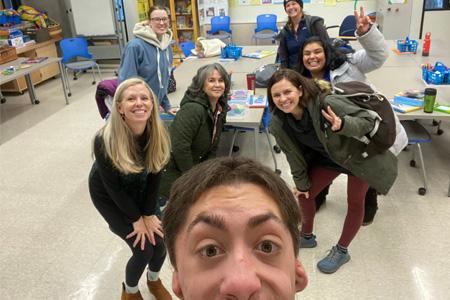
(298, 1)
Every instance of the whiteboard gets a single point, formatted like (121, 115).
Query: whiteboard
(93, 17)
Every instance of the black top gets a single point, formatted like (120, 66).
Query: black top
(134, 194)
(303, 133)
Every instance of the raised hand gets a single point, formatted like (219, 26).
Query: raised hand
(362, 22)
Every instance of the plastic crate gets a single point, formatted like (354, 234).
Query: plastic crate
(439, 74)
(407, 45)
(231, 51)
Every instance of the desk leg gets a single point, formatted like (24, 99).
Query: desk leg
(31, 90)
(256, 131)
(63, 80)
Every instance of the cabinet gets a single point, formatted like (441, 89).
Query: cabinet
(183, 19)
(45, 49)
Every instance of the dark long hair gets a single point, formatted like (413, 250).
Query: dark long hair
(310, 87)
(334, 56)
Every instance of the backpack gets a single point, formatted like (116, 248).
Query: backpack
(263, 74)
(383, 135)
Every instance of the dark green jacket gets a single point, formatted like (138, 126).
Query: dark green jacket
(380, 171)
(191, 135)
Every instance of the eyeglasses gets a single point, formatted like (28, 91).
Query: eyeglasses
(158, 20)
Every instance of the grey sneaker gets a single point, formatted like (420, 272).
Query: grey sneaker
(335, 259)
(308, 243)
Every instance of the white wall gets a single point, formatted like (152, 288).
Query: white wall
(438, 23)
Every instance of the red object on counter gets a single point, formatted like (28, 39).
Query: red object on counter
(426, 44)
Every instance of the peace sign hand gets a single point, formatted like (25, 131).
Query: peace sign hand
(335, 121)
(362, 22)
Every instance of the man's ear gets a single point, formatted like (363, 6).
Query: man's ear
(176, 288)
(301, 279)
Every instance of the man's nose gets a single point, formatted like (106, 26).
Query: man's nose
(241, 280)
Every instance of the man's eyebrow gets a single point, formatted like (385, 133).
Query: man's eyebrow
(260, 219)
(211, 220)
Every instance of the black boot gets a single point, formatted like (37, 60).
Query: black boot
(322, 197)
(370, 207)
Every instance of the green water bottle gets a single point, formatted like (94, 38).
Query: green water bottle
(430, 97)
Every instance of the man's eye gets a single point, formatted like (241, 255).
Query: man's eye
(210, 251)
(267, 247)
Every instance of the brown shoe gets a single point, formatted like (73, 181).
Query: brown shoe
(158, 290)
(126, 296)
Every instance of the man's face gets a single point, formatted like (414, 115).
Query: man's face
(234, 245)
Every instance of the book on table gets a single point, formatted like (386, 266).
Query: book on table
(258, 101)
(404, 108)
(258, 54)
(34, 60)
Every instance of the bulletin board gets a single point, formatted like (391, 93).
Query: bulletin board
(210, 8)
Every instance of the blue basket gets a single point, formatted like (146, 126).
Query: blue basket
(407, 45)
(231, 51)
(439, 74)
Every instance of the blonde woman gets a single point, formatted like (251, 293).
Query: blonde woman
(130, 151)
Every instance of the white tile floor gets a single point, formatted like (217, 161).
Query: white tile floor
(55, 245)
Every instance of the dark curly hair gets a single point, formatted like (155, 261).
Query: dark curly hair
(334, 56)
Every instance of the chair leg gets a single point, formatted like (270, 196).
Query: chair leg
(272, 151)
(99, 73)
(93, 75)
(68, 84)
(232, 142)
(424, 175)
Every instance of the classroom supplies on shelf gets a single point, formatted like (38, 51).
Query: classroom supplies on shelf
(258, 54)
(231, 51)
(407, 45)
(403, 108)
(439, 74)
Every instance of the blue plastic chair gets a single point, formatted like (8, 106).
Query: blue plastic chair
(347, 28)
(263, 128)
(220, 23)
(186, 47)
(73, 48)
(268, 24)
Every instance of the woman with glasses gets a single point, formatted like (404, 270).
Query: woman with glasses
(150, 55)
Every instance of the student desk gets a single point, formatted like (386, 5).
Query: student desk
(188, 69)
(27, 73)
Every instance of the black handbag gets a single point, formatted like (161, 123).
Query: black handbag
(172, 83)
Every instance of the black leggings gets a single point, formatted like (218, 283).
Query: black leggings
(153, 256)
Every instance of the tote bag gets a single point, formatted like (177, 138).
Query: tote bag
(208, 48)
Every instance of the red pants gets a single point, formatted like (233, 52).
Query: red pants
(356, 192)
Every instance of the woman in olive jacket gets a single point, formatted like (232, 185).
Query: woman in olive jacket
(319, 145)
(197, 127)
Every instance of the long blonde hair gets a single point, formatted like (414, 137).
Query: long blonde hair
(122, 147)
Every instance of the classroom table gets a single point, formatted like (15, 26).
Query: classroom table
(27, 73)
(403, 71)
(188, 69)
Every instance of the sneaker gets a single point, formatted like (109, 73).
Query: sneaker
(335, 259)
(308, 243)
